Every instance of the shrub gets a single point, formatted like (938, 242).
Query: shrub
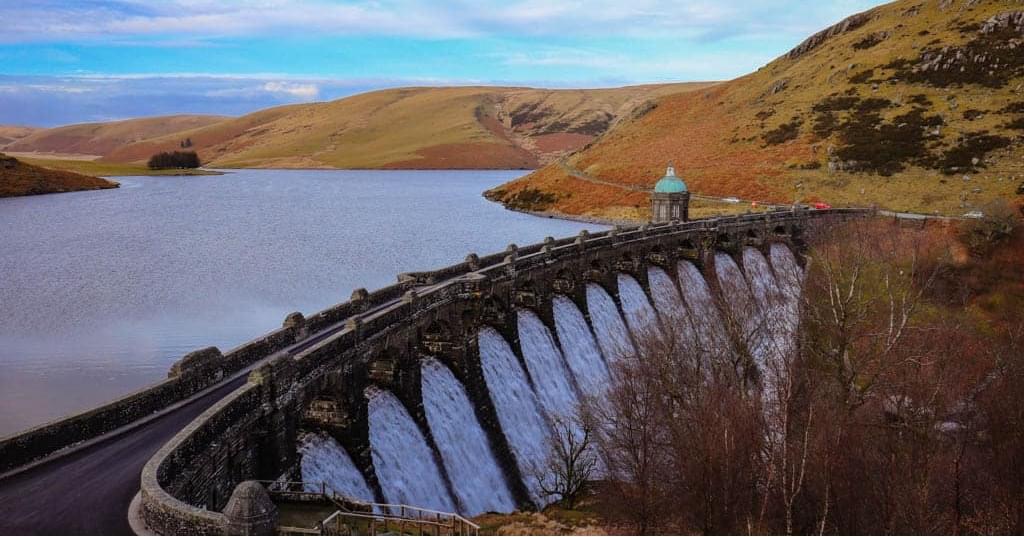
(175, 159)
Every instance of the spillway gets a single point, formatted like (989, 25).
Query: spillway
(519, 412)
(551, 378)
(640, 315)
(324, 460)
(744, 310)
(790, 277)
(705, 318)
(405, 464)
(579, 347)
(609, 328)
(474, 472)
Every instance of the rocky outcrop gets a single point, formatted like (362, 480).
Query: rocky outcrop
(1011, 20)
(846, 25)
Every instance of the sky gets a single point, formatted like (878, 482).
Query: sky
(69, 61)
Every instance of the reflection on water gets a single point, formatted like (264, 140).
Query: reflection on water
(101, 291)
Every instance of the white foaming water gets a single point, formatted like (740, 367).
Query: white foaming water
(580, 348)
(516, 404)
(741, 302)
(640, 315)
(406, 468)
(551, 378)
(762, 282)
(790, 278)
(465, 450)
(610, 329)
(324, 460)
(696, 294)
(666, 297)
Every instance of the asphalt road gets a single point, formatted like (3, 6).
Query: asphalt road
(88, 492)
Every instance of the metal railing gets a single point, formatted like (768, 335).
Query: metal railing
(368, 518)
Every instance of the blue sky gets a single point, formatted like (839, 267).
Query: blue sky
(93, 60)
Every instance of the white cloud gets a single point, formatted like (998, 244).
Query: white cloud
(50, 20)
(305, 92)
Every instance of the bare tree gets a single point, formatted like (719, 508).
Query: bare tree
(571, 462)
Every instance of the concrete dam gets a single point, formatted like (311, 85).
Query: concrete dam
(554, 368)
(437, 391)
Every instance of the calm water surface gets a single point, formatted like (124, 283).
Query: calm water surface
(101, 291)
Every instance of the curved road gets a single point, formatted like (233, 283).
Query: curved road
(88, 492)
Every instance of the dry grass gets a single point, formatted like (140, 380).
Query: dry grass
(20, 179)
(461, 127)
(106, 169)
(717, 136)
(98, 139)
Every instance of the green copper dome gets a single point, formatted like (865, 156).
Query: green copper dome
(670, 184)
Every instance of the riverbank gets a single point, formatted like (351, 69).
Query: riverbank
(95, 168)
(18, 178)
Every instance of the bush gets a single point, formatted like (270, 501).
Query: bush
(176, 159)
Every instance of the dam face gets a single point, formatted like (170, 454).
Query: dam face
(439, 391)
(556, 366)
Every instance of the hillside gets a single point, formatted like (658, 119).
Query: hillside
(914, 105)
(20, 179)
(458, 127)
(12, 133)
(98, 139)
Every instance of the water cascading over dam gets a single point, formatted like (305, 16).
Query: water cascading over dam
(545, 373)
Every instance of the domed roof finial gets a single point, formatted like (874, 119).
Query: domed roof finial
(670, 183)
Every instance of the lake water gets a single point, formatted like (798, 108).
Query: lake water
(100, 292)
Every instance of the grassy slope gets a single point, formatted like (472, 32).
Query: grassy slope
(460, 127)
(11, 133)
(105, 169)
(20, 179)
(718, 137)
(101, 138)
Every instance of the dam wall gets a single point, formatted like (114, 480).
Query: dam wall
(498, 344)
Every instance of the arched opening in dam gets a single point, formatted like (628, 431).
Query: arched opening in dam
(474, 446)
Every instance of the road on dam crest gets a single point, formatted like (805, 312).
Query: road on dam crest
(88, 491)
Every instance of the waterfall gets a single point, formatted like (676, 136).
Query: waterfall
(405, 464)
(516, 404)
(551, 378)
(325, 461)
(610, 329)
(666, 297)
(742, 305)
(790, 278)
(465, 450)
(640, 316)
(580, 348)
(762, 282)
(707, 321)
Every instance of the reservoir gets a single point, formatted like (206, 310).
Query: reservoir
(101, 291)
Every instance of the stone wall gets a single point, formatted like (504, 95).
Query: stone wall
(190, 375)
(251, 433)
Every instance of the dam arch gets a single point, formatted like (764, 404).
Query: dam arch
(436, 314)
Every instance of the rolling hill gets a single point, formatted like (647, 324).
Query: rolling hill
(12, 133)
(93, 140)
(20, 179)
(457, 127)
(914, 105)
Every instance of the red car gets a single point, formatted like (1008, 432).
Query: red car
(822, 205)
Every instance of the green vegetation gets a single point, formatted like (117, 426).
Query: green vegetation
(174, 160)
(107, 169)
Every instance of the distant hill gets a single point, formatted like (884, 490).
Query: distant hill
(98, 139)
(914, 105)
(456, 127)
(20, 179)
(12, 133)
